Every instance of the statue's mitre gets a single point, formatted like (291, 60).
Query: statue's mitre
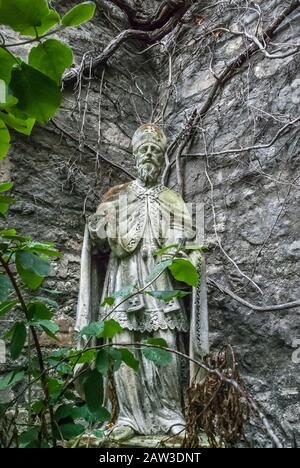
(149, 133)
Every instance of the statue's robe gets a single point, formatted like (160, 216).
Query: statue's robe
(137, 222)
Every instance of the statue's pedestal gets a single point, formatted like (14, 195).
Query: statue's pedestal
(138, 441)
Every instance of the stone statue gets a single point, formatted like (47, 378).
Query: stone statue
(135, 220)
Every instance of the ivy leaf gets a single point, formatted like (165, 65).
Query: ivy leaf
(93, 390)
(28, 16)
(183, 270)
(5, 288)
(106, 329)
(38, 95)
(29, 437)
(110, 329)
(157, 342)
(102, 361)
(69, 431)
(79, 14)
(129, 359)
(51, 57)
(123, 292)
(24, 126)
(19, 334)
(4, 187)
(7, 306)
(92, 329)
(4, 140)
(167, 296)
(39, 311)
(49, 327)
(160, 357)
(32, 268)
(6, 64)
(10, 379)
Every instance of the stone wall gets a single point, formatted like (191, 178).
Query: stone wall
(251, 197)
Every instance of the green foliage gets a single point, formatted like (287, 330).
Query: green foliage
(24, 264)
(105, 329)
(19, 334)
(168, 296)
(159, 356)
(51, 57)
(32, 268)
(5, 288)
(10, 379)
(39, 96)
(32, 88)
(4, 139)
(183, 270)
(79, 14)
(93, 390)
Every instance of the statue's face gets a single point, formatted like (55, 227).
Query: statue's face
(149, 161)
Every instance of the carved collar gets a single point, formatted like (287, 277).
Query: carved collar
(144, 191)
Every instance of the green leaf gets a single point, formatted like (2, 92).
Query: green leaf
(85, 356)
(69, 431)
(159, 356)
(28, 16)
(167, 296)
(27, 437)
(102, 361)
(10, 379)
(45, 248)
(49, 327)
(158, 269)
(7, 306)
(123, 292)
(51, 57)
(111, 328)
(47, 23)
(183, 270)
(157, 342)
(129, 358)
(4, 140)
(106, 329)
(38, 95)
(5, 288)
(39, 311)
(165, 249)
(20, 125)
(32, 268)
(6, 64)
(79, 14)
(38, 406)
(92, 329)
(4, 188)
(93, 390)
(8, 102)
(18, 339)
(68, 410)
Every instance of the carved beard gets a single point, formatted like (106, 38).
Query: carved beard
(148, 173)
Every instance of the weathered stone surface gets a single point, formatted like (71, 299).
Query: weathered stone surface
(256, 193)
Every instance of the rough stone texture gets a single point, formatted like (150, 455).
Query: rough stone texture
(253, 210)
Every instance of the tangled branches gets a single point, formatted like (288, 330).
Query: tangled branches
(216, 407)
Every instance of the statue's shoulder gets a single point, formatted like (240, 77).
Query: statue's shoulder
(113, 192)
